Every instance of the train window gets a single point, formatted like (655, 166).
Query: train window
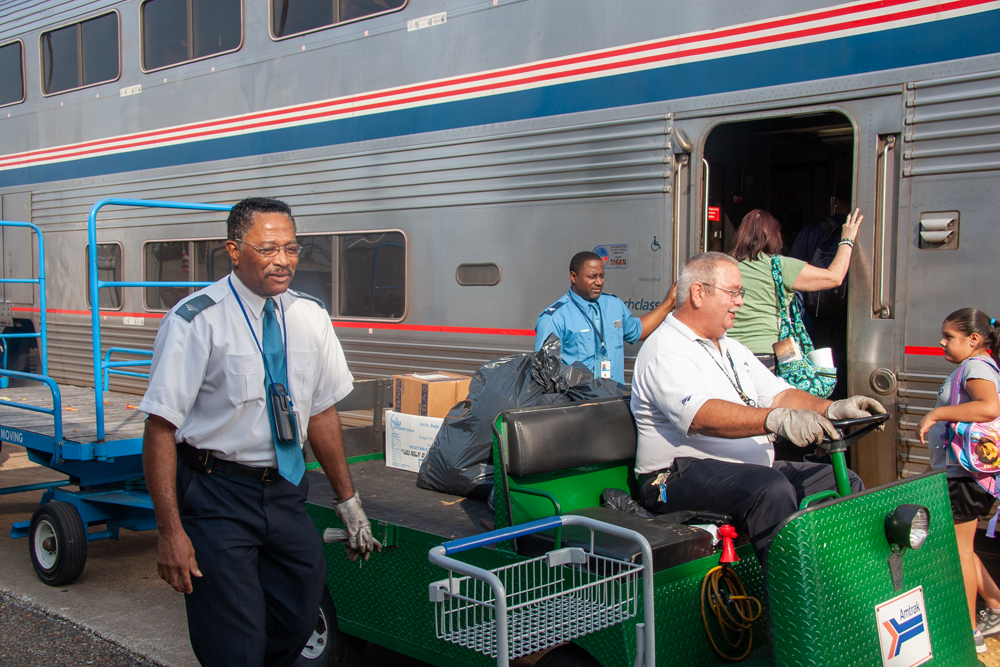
(294, 17)
(314, 274)
(485, 275)
(179, 31)
(81, 54)
(372, 275)
(109, 267)
(11, 73)
(171, 261)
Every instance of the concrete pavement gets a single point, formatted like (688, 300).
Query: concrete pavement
(119, 596)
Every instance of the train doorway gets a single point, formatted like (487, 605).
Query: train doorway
(799, 169)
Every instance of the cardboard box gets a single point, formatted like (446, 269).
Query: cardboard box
(429, 394)
(407, 439)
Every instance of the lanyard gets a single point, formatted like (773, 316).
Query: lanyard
(598, 333)
(736, 384)
(246, 317)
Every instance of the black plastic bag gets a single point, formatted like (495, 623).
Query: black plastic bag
(460, 460)
(619, 500)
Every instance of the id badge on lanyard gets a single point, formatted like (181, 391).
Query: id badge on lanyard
(606, 369)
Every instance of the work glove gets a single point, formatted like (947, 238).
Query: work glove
(854, 407)
(800, 427)
(357, 538)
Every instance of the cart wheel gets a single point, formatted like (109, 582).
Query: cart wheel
(567, 655)
(57, 543)
(328, 646)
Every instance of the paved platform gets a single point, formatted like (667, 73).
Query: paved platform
(119, 596)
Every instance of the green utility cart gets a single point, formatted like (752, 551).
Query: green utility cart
(862, 579)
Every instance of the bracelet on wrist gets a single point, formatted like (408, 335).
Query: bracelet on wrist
(849, 242)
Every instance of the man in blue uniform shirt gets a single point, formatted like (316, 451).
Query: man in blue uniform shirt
(592, 326)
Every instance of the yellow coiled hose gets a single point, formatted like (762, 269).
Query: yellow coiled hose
(723, 596)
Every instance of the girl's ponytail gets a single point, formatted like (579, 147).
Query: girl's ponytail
(968, 321)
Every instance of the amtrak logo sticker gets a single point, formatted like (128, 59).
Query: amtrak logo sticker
(902, 630)
(614, 255)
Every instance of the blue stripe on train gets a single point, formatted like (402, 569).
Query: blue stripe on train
(962, 37)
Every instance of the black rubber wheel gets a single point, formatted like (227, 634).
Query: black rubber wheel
(567, 655)
(328, 646)
(57, 542)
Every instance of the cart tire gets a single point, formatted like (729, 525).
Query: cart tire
(328, 646)
(567, 655)
(57, 543)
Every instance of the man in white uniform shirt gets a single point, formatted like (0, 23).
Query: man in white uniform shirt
(242, 372)
(705, 409)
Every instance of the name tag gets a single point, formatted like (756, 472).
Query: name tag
(606, 369)
(618, 324)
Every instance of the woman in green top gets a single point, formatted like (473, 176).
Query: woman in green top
(757, 240)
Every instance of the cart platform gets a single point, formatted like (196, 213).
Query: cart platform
(391, 495)
(79, 417)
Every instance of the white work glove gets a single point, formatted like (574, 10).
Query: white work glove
(800, 427)
(854, 407)
(358, 539)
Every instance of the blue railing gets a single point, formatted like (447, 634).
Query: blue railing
(112, 367)
(43, 330)
(103, 367)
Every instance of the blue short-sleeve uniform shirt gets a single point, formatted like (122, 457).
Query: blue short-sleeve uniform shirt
(578, 332)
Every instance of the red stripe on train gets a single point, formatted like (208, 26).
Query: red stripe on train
(924, 351)
(337, 324)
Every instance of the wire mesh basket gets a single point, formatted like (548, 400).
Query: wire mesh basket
(548, 600)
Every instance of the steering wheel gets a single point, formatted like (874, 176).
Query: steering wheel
(852, 430)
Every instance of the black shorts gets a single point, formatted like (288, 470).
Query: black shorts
(969, 501)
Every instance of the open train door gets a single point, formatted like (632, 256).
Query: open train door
(788, 159)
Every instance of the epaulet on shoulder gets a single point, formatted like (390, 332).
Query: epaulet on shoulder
(190, 308)
(309, 297)
(610, 294)
(553, 308)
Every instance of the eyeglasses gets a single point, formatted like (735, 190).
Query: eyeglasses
(292, 249)
(733, 293)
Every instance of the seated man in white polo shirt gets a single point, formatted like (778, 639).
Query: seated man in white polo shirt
(705, 408)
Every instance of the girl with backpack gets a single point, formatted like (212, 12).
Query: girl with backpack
(971, 339)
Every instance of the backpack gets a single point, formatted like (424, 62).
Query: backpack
(976, 445)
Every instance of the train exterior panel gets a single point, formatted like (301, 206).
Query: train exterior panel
(475, 146)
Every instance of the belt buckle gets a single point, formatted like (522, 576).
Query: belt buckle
(263, 476)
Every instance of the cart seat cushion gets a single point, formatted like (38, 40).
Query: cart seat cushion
(672, 543)
(564, 436)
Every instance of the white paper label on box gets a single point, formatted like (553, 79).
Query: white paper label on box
(432, 376)
(407, 439)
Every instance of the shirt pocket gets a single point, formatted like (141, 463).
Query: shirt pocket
(245, 378)
(302, 376)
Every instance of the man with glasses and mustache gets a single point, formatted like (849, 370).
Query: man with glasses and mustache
(243, 371)
(706, 411)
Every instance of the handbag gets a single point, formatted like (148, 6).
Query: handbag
(801, 373)
(976, 445)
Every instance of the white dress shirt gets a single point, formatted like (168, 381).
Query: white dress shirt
(673, 378)
(208, 380)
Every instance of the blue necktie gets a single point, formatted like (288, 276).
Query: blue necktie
(291, 466)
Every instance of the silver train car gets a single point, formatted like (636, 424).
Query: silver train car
(445, 158)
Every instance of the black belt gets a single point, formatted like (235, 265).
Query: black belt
(204, 461)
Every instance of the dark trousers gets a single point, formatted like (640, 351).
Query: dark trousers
(758, 498)
(262, 563)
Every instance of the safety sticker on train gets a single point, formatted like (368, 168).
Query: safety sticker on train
(902, 630)
(615, 255)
